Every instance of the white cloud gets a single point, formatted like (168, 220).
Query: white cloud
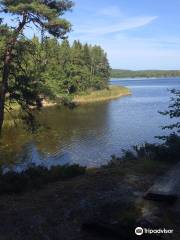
(127, 24)
(129, 51)
(111, 11)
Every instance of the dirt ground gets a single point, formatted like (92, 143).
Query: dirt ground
(60, 211)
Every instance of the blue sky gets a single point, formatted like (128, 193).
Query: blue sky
(136, 34)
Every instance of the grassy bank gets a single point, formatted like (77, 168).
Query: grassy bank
(141, 160)
(35, 177)
(38, 177)
(112, 92)
(90, 96)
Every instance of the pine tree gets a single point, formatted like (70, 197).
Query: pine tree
(44, 14)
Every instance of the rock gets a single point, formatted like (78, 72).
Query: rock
(166, 188)
(160, 196)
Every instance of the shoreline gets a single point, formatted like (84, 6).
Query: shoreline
(140, 78)
(114, 92)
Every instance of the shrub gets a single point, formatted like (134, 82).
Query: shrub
(36, 177)
(168, 151)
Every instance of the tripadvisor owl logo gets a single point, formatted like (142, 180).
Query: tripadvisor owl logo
(139, 231)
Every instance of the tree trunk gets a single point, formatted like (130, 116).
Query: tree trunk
(4, 84)
(2, 102)
(6, 69)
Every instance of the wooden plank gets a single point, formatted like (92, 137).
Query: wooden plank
(167, 187)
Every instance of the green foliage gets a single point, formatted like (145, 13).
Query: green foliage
(54, 70)
(36, 177)
(169, 151)
(118, 73)
(43, 13)
(173, 111)
(21, 62)
(67, 70)
(33, 70)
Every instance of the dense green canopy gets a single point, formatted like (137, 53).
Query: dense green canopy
(44, 14)
(66, 69)
(34, 69)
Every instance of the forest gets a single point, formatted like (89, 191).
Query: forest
(45, 67)
(120, 73)
(97, 169)
(56, 68)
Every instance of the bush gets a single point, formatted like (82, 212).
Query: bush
(168, 151)
(36, 177)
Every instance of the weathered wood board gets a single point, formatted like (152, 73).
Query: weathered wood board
(167, 187)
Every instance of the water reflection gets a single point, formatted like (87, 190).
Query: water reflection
(88, 135)
(67, 133)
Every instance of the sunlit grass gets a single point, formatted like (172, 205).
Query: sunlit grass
(110, 93)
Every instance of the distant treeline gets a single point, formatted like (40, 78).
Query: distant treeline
(118, 73)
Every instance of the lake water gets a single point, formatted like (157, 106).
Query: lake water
(90, 134)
